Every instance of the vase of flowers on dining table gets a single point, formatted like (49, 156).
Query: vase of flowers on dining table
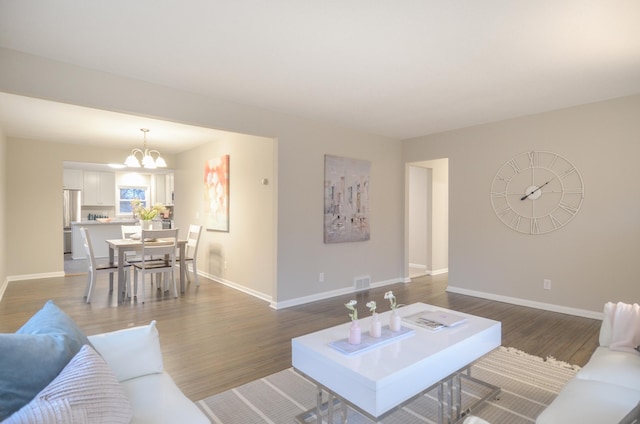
(146, 214)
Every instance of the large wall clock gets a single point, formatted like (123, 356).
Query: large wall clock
(537, 192)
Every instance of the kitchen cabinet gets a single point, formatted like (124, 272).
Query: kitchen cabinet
(99, 188)
(163, 189)
(169, 189)
(72, 179)
(159, 189)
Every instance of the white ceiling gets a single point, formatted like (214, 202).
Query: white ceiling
(401, 68)
(36, 119)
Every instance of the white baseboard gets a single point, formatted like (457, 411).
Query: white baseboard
(333, 293)
(25, 277)
(423, 269)
(3, 287)
(529, 303)
(243, 289)
(35, 276)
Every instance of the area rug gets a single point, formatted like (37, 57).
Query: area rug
(528, 383)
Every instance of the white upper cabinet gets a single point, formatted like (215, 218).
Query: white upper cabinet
(72, 179)
(99, 189)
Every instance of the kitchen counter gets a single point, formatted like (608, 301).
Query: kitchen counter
(99, 233)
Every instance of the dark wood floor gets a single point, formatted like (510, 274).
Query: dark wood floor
(214, 338)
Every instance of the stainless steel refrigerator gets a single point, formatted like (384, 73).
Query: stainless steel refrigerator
(71, 210)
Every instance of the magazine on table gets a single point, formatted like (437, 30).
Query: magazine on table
(435, 320)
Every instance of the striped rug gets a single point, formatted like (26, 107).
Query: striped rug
(528, 383)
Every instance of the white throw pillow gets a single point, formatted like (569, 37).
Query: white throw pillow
(131, 352)
(86, 391)
(605, 328)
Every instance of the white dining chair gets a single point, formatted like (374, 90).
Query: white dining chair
(191, 251)
(94, 268)
(130, 230)
(157, 244)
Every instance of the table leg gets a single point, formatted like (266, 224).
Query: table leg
(183, 266)
(121, 289)
(440, 403)
(319, 406)
(458, 390)
(111, 257)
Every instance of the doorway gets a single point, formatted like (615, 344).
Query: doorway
(428, 217)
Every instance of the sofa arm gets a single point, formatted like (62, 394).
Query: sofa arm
(131, 352)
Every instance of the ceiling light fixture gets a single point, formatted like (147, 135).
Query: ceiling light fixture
(145, 156)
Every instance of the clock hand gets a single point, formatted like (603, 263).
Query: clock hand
(539, 188)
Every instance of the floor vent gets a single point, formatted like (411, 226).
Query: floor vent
(362, 283)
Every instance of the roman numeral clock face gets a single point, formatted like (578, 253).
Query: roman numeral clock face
(537, 192)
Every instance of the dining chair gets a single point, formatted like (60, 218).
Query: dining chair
(95, 268)
(158, 256)
(191, 251)
(129, 230)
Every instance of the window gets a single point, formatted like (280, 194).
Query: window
(127, 194)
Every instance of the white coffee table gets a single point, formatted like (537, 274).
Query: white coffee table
(378, 380)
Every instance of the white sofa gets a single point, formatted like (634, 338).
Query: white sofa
(604, 391)
(51, 373)
(135, 358)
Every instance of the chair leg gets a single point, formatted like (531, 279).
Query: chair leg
(173, 279)
(143, 290)
(127, 284)
(195, 272)
(88, 287)
(135, 283)
(92, 282)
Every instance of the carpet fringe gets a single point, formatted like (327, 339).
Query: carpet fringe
(549, 359)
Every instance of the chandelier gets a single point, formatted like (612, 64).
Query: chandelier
(146, 156)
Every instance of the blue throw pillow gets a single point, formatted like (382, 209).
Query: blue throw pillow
(32, 357)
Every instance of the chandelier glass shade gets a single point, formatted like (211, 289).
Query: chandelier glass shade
(145, 157)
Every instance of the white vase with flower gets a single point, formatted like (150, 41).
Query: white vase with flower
(355, 333)
(395, 320)
(375, 326)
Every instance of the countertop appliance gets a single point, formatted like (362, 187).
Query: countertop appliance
(71, 210)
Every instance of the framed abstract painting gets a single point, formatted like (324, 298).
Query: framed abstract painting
(216, 193)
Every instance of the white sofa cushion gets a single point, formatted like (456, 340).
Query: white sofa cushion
(590, 402)
(86, 391)
(609, 366)
(156, 399)
(131, 352)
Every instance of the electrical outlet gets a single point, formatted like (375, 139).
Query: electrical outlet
(547, 284)
(321, 277)
(226, 264)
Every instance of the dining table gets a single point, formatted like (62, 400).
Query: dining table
(132, 245)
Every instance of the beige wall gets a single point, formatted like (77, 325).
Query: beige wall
(3, 221)
(300, 254)
(590, 260)
(34, 202)
(244, 257)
